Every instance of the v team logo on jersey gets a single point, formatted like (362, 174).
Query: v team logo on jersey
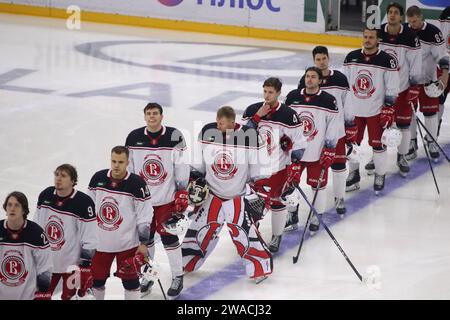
(223, 166)
(153, 171)
(109, 217)
(309, 127)
(55, 233)
(13, 272)
(267, 136)
(363, 87)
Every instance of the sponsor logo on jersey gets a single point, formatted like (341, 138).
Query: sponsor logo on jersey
(309, 127)
(223, 165)
(13, 272)
(363, 87)
(54, 231)
(109, 217)
(153, 171)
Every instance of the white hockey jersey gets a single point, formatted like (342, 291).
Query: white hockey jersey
(22, 260)
(70, 225)
(335, 84)
(373, 81)
(160, 161)
(444, 19)
(230, 161)
(433, 50)
(320, 117)
(121, 206)
(282, 121)
(406, 50)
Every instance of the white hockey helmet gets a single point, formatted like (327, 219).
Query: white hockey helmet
(151, 270)
(177, 225)
(434, 89)
(291, 197)
(392, 137)
(354, 153)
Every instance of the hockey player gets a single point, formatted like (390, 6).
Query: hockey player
(335, 83)
(228, 155)
(24, 254)
(124, 215)
(404, 46)
(323, 126)
(444, 20)
(69, 222)
(434, 54)
(157, 155)
(373, 78)
(280, 127)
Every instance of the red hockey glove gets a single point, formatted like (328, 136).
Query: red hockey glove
(86, 279)
(285, 143)
(351, 133)
(413, 93)
(327, 157)
(38, 295)
(387, 116)
(294, 172)
(131, 266)
(262, 189)
(181, 201)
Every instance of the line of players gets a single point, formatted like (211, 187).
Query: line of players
(238, 174)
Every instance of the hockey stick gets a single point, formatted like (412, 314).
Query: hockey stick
(330, 234)
(428, 155)
(162, 290)
(295, 258)
(419, 122)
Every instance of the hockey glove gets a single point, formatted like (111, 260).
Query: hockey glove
(387, 116)
(351, 133)
(285, 143)
(413, 93)
(294, 172)
(181, 201)
(131, 266)
(86, 280)
(262, 189)
(327, 157)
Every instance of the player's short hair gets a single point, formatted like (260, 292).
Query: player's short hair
(274, 83)
(378, 31)
(396, 5)
(70, 170)
(120, 150)
(22, 199)
(226, 112)
(320, 50)
(414, 11)
(153, 105)
(315, 69)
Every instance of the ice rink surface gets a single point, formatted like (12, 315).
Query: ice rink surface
(70, 96)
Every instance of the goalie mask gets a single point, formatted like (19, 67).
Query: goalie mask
(392, 137)
(434, 89)
(177, 225)
(198, 191)
(291, 197)
(255, 206)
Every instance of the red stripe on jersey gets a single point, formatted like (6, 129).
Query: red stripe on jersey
(312, 107)
(237, 209)
(67, 213)
(24, 244)
(368, 66)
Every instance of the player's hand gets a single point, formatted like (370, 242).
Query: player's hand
(264, 110)
(327, 157)
(285, 143)
(387, 116)
(351, 133)
(131, 266)
(181, 201)
(142, 249)
(294, 172)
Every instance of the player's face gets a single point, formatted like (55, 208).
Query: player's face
(312, 80)
(394, 17)
(271, 95)
(63, 181)
(14, 210)
(119, 163)
(153, 118)
(224, 124)
(415, 22)
(370, 39)
(321, 61)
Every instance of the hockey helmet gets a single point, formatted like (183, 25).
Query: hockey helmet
(177, 225)
(434, 89)
(392, 137)
(198, 191)
(291, 197)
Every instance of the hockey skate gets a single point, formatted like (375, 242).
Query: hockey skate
(175, 288)
(352, 182)
(146, 287)
(314, 225)
(403, 165)
(274, 245)
(370, 167)
(378, 184)
(292, 222)
(433, 149)
(340, 207)
(258, 280)
(412, 153)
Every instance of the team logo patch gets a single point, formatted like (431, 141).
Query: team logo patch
(55, 233)
(309, 127)
(13, 272)
(109, 217)
(153, 171)
(223, 166)
(267, 136)
(363, 87)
